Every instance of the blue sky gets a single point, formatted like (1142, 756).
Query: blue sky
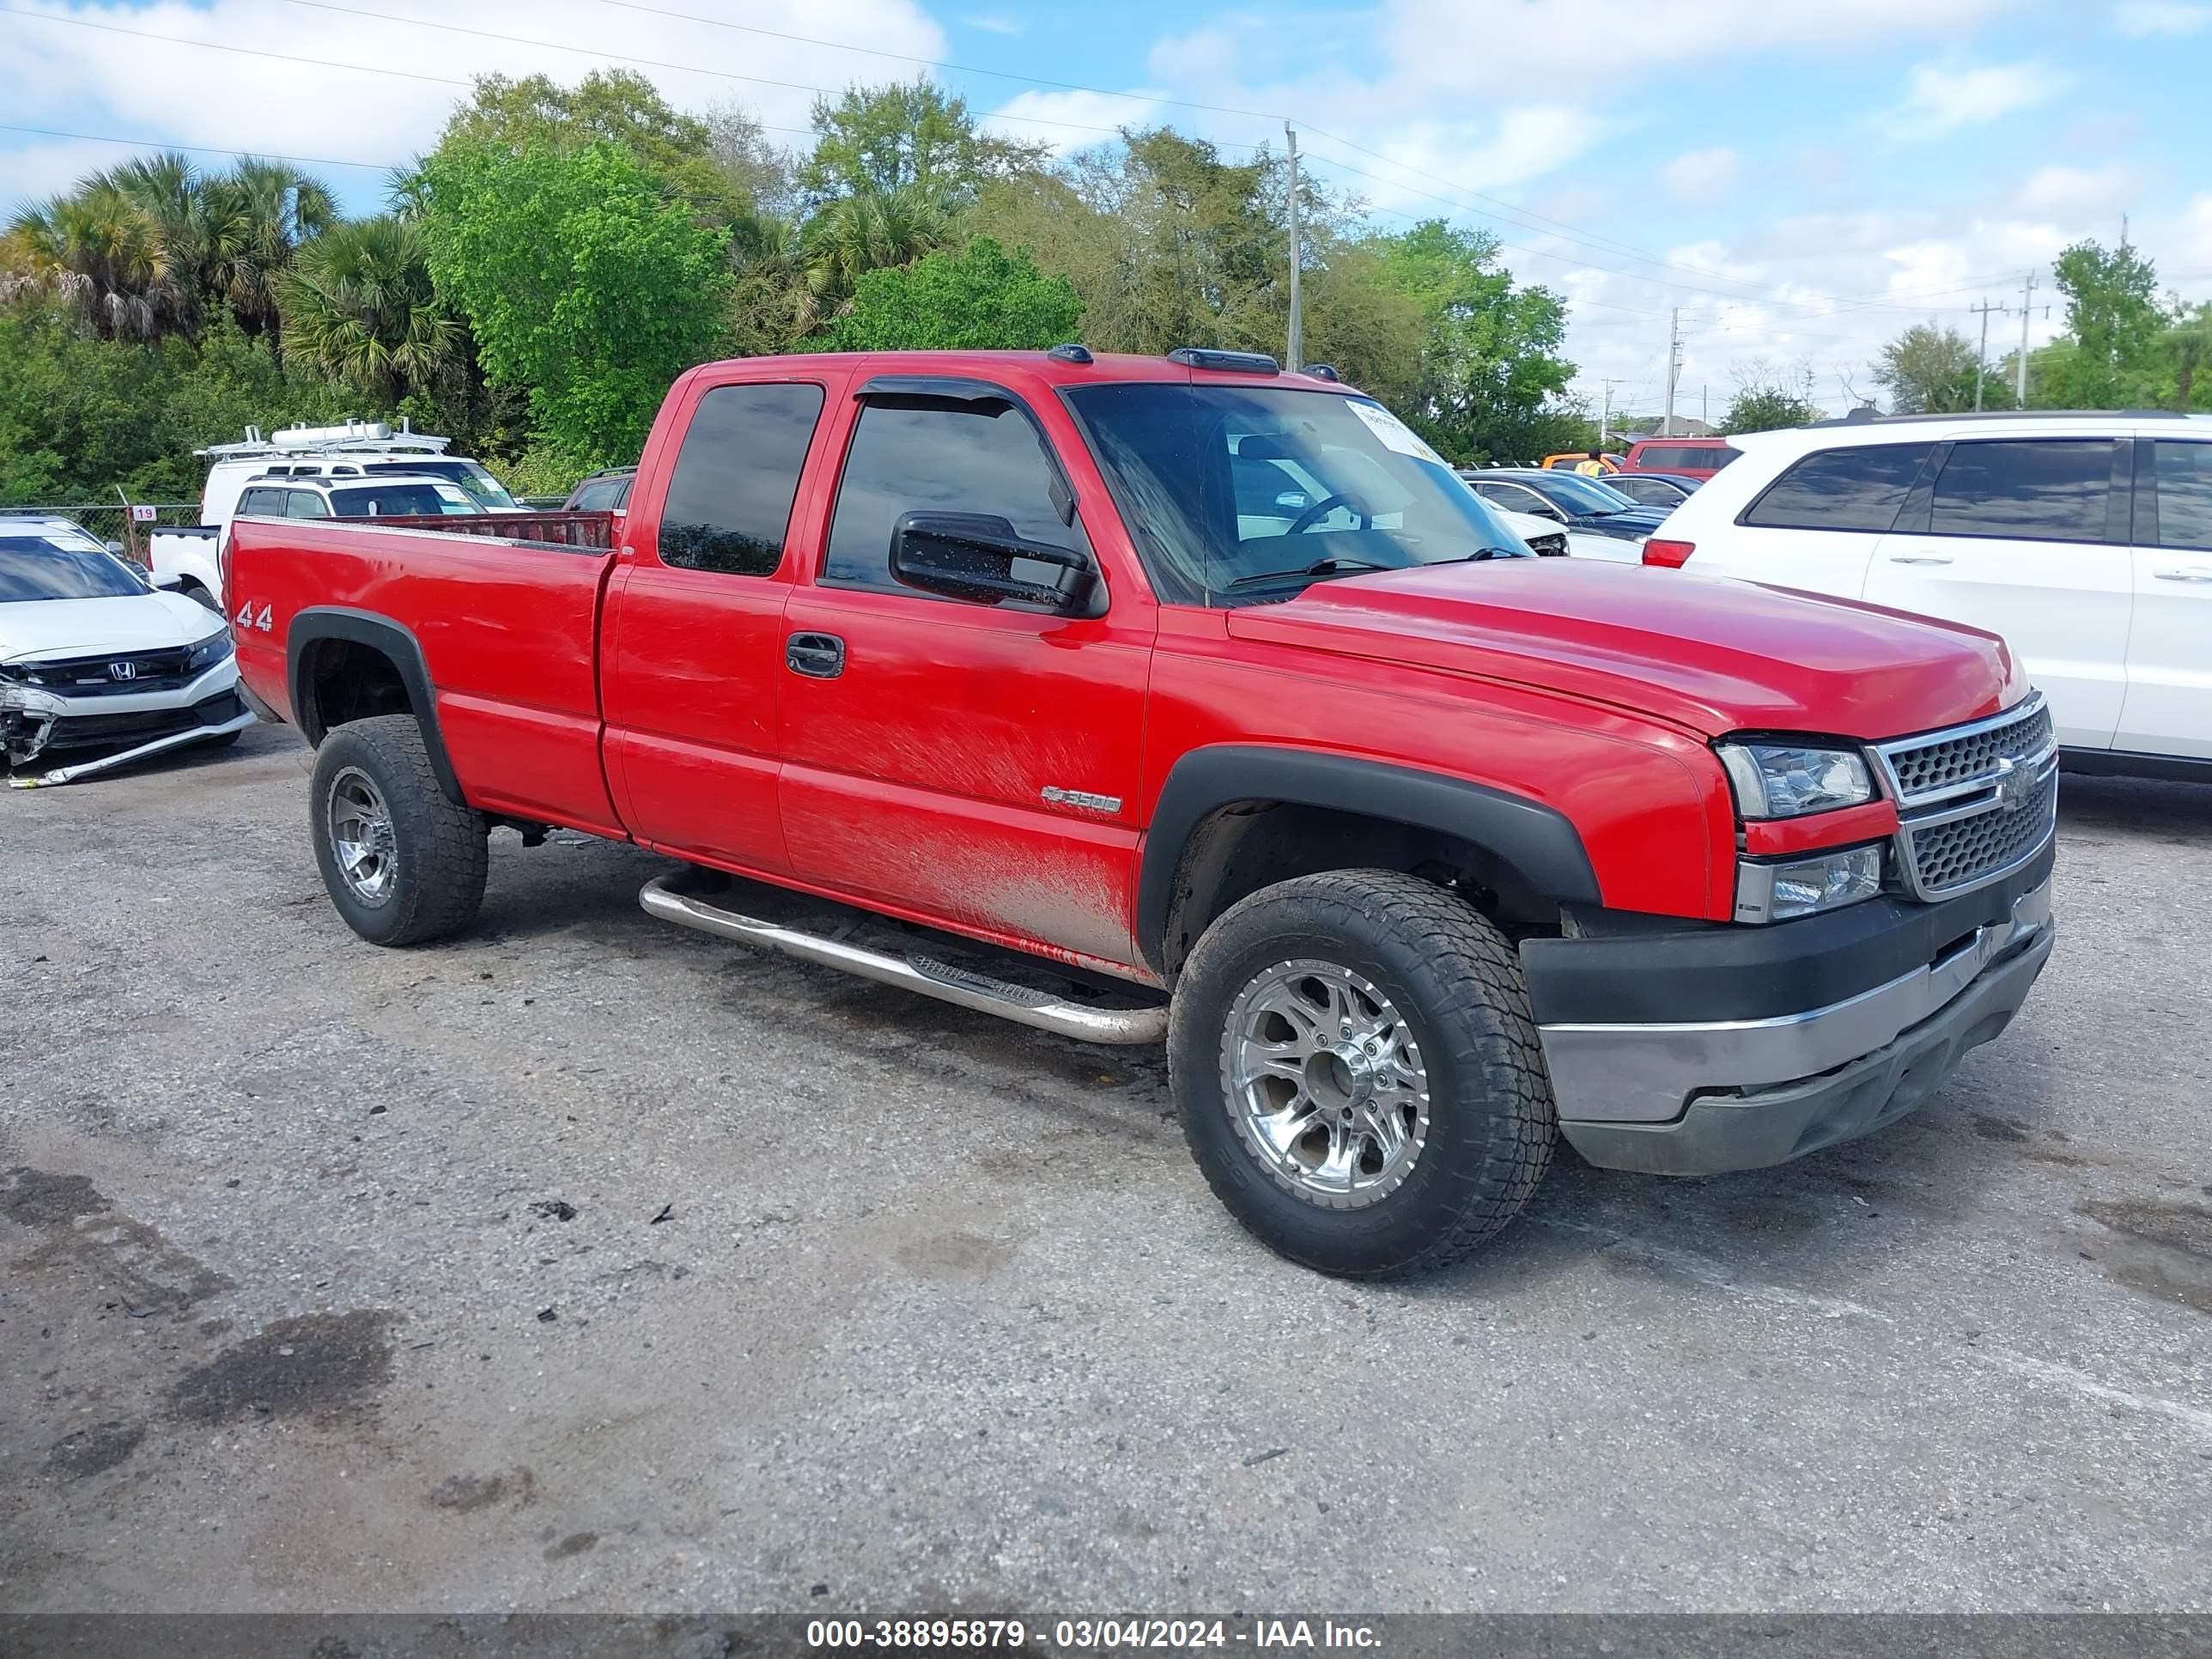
(1802, 181)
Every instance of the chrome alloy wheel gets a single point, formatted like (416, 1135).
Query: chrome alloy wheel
(361, 838)
(1325, 1084)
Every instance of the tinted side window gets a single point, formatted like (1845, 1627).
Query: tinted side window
(305, 504)
(261, 504)
(598, 497)
(1856, 489)
(938, 456)
(737, 475)
(2047, 491)
(2185, 495)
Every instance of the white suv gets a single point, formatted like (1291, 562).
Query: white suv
(2085, 540)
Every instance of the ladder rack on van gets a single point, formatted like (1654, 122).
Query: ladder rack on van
(356, 434)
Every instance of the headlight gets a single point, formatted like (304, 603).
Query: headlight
(1820, 881)
(215, 648)
(1787, 781)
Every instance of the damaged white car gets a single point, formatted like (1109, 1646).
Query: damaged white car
(97, 666)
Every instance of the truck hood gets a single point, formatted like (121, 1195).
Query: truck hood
(1709, 653)
(84, 628)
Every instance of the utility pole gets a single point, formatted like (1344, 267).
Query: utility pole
(1981, 353)
(1298, 321)
(2026, 303)
(1604, 414)
(1674, 367)
(1704, 408)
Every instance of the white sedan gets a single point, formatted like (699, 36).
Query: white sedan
(97, 665)
(1547, 537)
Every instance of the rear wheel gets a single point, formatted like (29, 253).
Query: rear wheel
(193, 591)
(402, 863)
(1358, 1075)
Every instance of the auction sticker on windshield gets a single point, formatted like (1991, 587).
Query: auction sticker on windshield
(1393, 433)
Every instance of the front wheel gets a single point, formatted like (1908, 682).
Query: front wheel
(1358, 1073)
(402, 863)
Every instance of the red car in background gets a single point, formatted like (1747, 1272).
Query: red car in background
(1692, 458)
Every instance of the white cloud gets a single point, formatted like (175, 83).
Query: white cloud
(1621, 39)
(2137, 19)
(95, 80)
(1700, 175)
(1940, 97)
(2077, 192)
(1075, 120)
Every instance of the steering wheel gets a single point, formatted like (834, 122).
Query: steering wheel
(1320, 509)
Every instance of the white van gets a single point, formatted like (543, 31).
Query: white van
(357, 449)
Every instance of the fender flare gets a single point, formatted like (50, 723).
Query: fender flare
(1539, 843)
(317, 623)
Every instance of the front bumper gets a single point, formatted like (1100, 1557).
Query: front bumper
(34, 720)
(1700, 1098)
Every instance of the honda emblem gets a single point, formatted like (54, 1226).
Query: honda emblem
(125, 670)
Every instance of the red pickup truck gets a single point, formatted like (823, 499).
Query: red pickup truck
(1182, 699)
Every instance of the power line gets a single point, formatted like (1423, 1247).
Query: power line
(200, 150)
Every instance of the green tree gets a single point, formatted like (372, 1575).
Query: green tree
(584, 286)
(98, 252)
(256, 217)
(2108, 357)
(1929, 370)
(2188, 347)
(1763, 404)
(611, 106)
(1491, 373)
(359, 303)
(761, 172)
(983, 299)
(906, 135)
(868, 230)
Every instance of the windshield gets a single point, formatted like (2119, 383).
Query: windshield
(1242, 494)
(1579, 492)
(485, 489)
(401, 501)
(57, 565)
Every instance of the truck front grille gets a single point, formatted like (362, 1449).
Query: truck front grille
(1975, 802)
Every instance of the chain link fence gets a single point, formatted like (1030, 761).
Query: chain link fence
(112, 521)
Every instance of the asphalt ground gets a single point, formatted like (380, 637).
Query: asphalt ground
(586, 1263)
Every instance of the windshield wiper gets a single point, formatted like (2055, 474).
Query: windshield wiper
(1319, 567)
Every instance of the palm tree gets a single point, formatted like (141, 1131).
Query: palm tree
(258, 215)
(98, 251)
(358, 302)
(867, 231)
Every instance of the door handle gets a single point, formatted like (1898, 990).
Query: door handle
(2187, 574)
(818, 656)
(1919, 558)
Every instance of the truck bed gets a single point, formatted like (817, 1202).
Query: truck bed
(505, 617)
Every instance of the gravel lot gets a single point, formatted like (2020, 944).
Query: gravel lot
(588, 1263)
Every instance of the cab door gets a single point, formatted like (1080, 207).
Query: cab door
(692, 645)
(2028, 537)
(966, 764)
(2168, 707)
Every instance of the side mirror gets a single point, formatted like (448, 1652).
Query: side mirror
(1551, 513)
(981, 557)
(171, 580)
(117, 548)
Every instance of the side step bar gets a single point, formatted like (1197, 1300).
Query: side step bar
(1020, 1004)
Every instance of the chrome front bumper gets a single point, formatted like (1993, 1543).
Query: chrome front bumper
(1698, 1097)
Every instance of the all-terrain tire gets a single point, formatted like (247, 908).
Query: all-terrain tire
(437, 848)
(1455, 984)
